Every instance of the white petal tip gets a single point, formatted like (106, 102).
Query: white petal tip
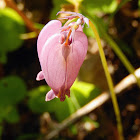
(50, 95)
(40, 76)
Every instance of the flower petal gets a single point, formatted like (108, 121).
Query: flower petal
(50, 95)
(76, 58)
(53, 63)
(48, 30)
(40, 76)
(60, 71)
(86, 21)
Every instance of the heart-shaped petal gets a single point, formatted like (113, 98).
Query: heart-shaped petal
(60, 71)
(48, 30)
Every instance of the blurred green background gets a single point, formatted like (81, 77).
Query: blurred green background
(23, 109)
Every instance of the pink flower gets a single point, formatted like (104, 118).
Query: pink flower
(61, 51)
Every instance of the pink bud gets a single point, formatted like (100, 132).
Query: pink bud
(60, 59)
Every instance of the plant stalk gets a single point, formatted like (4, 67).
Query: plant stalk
(110, 82)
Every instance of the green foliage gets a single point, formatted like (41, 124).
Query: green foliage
(37, 103)
(37, 99)
(74, 2)
(92, 6)
(83, 92)
(139, 3)
(107, 6)
(3, 58)
(73, 129)
(12, 91)
(12, 116)
(123, 2)
(56, 7)
(11, 26)
(39, 25)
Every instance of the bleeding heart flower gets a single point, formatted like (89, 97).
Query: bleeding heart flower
(61, 51)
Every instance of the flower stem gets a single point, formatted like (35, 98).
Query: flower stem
(110, 83)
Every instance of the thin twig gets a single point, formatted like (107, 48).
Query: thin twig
(28, 22)
(119, 88)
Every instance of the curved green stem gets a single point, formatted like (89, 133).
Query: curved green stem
(109, 80)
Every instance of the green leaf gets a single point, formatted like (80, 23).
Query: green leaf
(56, 7)
(37, 99)
(74, 2)
(3, 58)
(139, 4)
(82, 92)
(38, 104)
(93, 6)
(12, 90)
(39, 25)
(12, 116)
(11, 26)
